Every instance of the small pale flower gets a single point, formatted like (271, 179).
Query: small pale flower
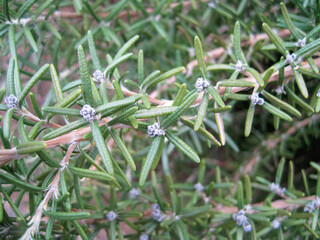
(157, 215)
(255, 99)
(212, 5)
(247, 226)
(201, 84)
(191, 52)
(88, 113)
(277, 189)
(301, 42)
(240, 66)
(155, 206)
(241, 219)
(318, 93)
(316, 202)
(112, 216)
(290, 58)
(134, 193)
(155, 130)
(279, 90)
(143, 236)
(11, 101)
(276, 223)
(198, 187)
(98, 76)
(309, 207)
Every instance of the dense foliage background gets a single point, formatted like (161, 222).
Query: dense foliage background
(252, 134)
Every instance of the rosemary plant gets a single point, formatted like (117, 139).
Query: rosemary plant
(159, 119)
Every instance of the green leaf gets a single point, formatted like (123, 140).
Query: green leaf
(30, 147)
(275, 111)
(56, 83)
(237, 43)
(116, 9)
(202, 111)
(279, 103)
(19, 183)
(236, 83)
(85, 77)
(256, 76)
(149, 78)
(298, 100)
(12, 40)
(12, 205)
(180, 95)
(65, 129)
(200, 56)
(154, 112)
(30, 38)
(68, 216)
(35, 106)
(5, 9)
(45, 157)
(125, 152)
(187, 101)
(124, 115)
(25, 8)
(93, 52)
(195, 211)
(249, 119)
(80, 230)
(216, 96)
(182, 146)
(119, 103)
(116, 62)
(220, 67)
(182, 230)
(35, 78)
(102, 147)
(202, 131)
(7, 123)
(288, 21)
(162, 77)
(91, 11)
(151, 156)
(275, 39)
(301, 83)
(126, 46)
(309, 49)
(140, 66)
(62, 111)
(240, 201)
(10, 78)
(87, 173)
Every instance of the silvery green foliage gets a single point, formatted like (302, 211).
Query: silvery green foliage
(75, 154)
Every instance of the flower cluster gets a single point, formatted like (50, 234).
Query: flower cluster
(98, 76)
(242, 220)
(155, 130)
(255, 99)
(11, 101)
(276, 223)
(199, 187)
(134, 193)
(312, 205)
(301, 42)
(274, 187)
(240, 66)
(111, 216)
(156, 214)
(143, 236)
(201, 84)
(88, 113)
(290, 58)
